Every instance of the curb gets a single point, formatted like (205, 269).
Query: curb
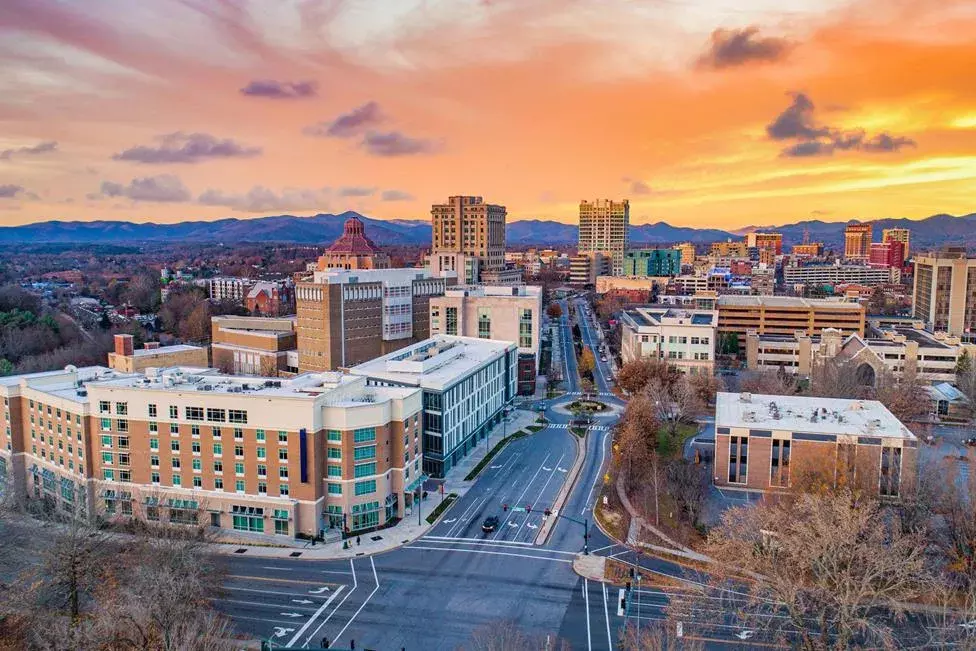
(564, 493)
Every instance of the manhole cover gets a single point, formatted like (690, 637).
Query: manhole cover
(295, 554)
(241, 550)
(375, 538)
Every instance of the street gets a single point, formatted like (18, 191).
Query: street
(435, 592)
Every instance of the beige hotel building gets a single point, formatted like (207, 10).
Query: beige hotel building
(320, 453)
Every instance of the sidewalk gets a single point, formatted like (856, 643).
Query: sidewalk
(401, 533)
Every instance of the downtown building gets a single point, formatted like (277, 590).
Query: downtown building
(495, 312)
(466, 384)
(683, 338)
(652, 262)
(346, 317)
(857, 242)
(773, 443)
(603, 229)
(248, 345)
(786, 315)
(900, 235)
(835, 274)
(944, 295)
(318, 454)
(468, 240)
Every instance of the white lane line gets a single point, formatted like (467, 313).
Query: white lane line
(264, 620)
(602, 548)
(321, 610)
(599, 474)
(606, 614)
(500, 543)
(262, 604)
(485, 551)
(524, 491)
(542, 492)
(362, 605)
(586, 598)
(286, 594)
(463, 519)
(481, 540)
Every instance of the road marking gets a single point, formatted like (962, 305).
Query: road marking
(278, 592)
(500, 543)
(606, 614)
(319, 590)
(586, 598)
(321, 609)
(451, 521)
(478, 501)
(272, 579)
(542, 492)
(484, 551)
(482, 541)
(362, 605)
(281, 631)
(263, 604)
(496, 467)
(526, 489)
(599, 476)
(291, 614)
(512, 524)
(620, 600)
(303, 601)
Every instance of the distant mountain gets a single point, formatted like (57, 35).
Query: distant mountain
(324, 228)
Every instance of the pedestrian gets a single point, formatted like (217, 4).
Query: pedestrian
(357, 540)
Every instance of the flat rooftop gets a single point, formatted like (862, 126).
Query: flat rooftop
(434, 363)
(796, 413)
(400, 276)
(499, 291)
(165, 350)
(653, 315)
(787, 302)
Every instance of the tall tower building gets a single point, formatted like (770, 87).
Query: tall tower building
(603, 226)
(857, 242)
(902, 235)
(944, 296)
(468, 238)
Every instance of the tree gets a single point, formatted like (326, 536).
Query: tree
(705, 386)
(637, 374)
(829, 571)
(555, 311)
(506, 636)
(836, 378)
(768, 382)
(674, 403)
(906, 398)
(964, 363)
(587, 362)
(74, 565)
(688, 484)
(656, 636)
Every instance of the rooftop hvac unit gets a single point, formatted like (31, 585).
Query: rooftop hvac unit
(82, 393)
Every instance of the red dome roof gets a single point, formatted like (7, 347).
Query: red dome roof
(353, 240)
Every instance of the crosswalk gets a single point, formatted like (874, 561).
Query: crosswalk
(605, 394)
(595, 428)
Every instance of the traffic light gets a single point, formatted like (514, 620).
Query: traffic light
(528, 508)
(505, 507)
(547, 512)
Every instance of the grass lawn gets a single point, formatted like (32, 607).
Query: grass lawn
(578, 431)
(670, 447)
(448, 500)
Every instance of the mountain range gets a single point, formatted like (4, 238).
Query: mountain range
(324, 228)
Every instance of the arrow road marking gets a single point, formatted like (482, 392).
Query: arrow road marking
(319, 590)
(561, 469)
(302, 601)
(512, 524)
(449, 521)
(547, 469)
(532, 526)
(291, 614)
(281, 631)
(495, 467)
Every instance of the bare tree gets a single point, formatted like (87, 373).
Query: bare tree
(831, 571)
(768, 382)
(656, 636)
(507, 636)
(836, 378)
(674, 403)
(906, 397)
(636, 375)
(688, 485)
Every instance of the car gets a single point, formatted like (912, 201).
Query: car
(490, 524)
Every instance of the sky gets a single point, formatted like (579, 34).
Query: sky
(703, 113)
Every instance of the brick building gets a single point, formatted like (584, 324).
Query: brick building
(126, 359)
(786, 315)
(246, 345)
(774, 443)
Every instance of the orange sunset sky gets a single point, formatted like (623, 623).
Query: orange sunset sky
(705, 113)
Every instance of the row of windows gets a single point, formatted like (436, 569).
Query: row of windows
(213, 415)
(125, 476)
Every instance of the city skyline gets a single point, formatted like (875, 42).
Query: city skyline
(727, 117)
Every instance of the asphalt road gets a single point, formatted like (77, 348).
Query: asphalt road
(434, 593)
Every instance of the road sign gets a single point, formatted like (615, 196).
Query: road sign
(518, 509)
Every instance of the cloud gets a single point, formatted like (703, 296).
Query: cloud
(9, 190)
(394, 143)
(728, 48)
(353, 191)
(262, 199)
(637, 186)
(397, 195)
(797, 123)
(165, 188)
(273, 89)
(40, 148)
(182, 147)
(348, 125)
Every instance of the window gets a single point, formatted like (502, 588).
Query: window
(106, 424)
(282, 437)
(335, 471)
(259, 435)
(283, 472)
(365, 452)
(238, 468)
(195, 447)
(174, 446)
(335, 435)
(108, 475)
(779, 464)
(197, 465)
(239, 485)
(177, 481)
(173, 413)
(451, 320)
(154, 477)
(334, 488)
(219, 484)
(154, 461)
(283, 489)
(194, 413)
(366, 487)
(176, 462)
(121, 409)
(106, 441)
(197, 482)
(194, 430)
(335, 453)
(262, 470)
(366, 469)
(262, 488)
(104, 406)
(108, 458)
(153, 426)
(218, 466)
(174, 429)
(248, 518)
(237, 416)
(123, 459)
(238, 451)
(216, 415)
(152, 410)
(218, 449)
(484, 323)
(525, 328)
(124, 442)
(238, 434)
(364, 435)
(738, 459)
(122, 425)
(262, 453)
(890, 471)
(282, 455)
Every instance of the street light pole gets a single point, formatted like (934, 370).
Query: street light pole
(638, 603)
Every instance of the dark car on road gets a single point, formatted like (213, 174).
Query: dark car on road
(490, 524)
